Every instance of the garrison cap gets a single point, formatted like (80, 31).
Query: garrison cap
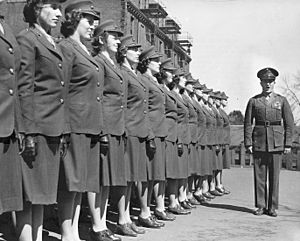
(224, 96)
(215, 94)
(107, 26)
(206, 90)
(128, 42)
(167, 65)
(83, 6)
(267, 73)
(149, 53)
(179, 72)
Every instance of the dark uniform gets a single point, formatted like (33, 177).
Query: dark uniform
(42, 92)
(81, 164)
(10, 168)
(272, 133)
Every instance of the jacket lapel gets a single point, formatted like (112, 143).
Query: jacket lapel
(111, 66)
(7, 36)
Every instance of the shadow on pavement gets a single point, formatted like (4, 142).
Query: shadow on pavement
(229, 207)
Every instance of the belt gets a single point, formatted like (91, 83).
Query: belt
(267, 123)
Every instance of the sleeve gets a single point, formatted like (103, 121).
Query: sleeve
(288, 122)
(26, 79)
(248, 121)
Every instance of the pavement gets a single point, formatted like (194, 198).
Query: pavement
(226, 218)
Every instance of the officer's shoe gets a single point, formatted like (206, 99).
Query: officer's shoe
(272, 213)
(260, 211)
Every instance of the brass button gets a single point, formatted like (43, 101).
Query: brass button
(145, 101)
(60, 65)
(121, 81)
(98, 98)
(144, 90)
(122, 94)
(145, 112)
(122, 106)
(11, 92)
(62, 83)
(11, 50)
(97, 69)
(61, 101)
(11, 70)
(98, 84)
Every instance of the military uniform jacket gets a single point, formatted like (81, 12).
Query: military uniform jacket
(157, 110)
(270, 136)
(211, 125)
(85, 89)
(201, 124)
(226, 127)
(219, 126)
(193, 120)
(171, 115)
(137, 119)
(9, 66)
(184, 135)
(114, 96)
(42, 85)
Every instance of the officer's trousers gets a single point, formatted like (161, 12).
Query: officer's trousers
(267, 167)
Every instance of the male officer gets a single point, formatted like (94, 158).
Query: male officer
(271, 136)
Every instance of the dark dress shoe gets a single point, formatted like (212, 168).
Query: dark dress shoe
(148, 222)
(190, 204)
(125, 230)
(208, 195)
(259, 211)
(111, 235)
(194, 201)
(201, 199)
(272, 213)
(223, 190)
(99, 236)
(136, 228)
(161, 224)
(216, 193)
(178, 210)
(165, 216)
(185, 205)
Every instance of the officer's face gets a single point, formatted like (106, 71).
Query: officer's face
(49, 16)
(132, 55)
(217, 102)
(267, 85)
(189, 87)
(112, 42)
(210, 100)
(224, 102)
(86, 27)
(199, 92)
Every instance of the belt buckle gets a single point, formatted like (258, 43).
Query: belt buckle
(267, 123)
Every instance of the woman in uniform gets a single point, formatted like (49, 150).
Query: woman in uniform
(10, 169)
(80, 167)
(149, 66)
(44, 113)
(112, 142)
(173, 143)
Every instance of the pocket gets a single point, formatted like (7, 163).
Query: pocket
(278, 134)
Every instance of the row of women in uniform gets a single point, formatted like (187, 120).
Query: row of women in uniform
(77, 121)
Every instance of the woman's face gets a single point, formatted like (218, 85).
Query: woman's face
(112, 42)
(132, 55)
(218, 102)
(154, 65)
(86, 27)
(49, 15)
(199, 92)
(205, 96)
(182, 81)
(210, 100)
(224, 102)
(189, 87)
(169, 78)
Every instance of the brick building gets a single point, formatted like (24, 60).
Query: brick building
(146, 20)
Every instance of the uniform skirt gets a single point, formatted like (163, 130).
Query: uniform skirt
(183, 163)
(156, 164)
(79, 170)
(226, 157)
(205, 165)
(193, 159)
(219, 159)
(136, 159)
(172, 160)
(112, 163)
(212, 157)
(40, 174)
(11, 198)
